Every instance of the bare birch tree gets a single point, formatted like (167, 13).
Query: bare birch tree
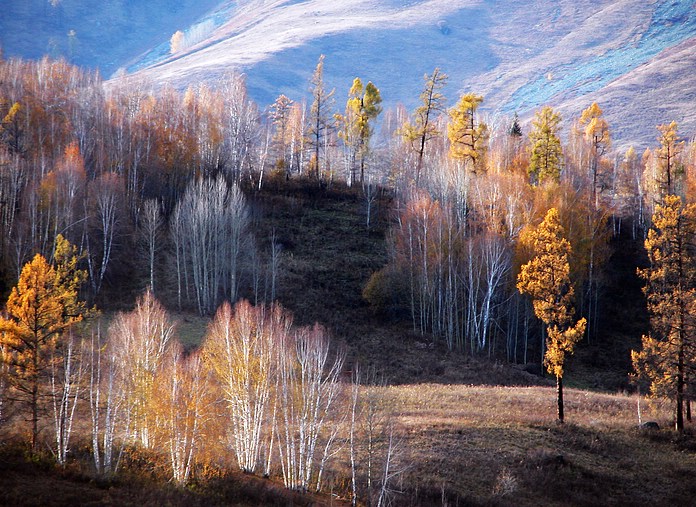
(308, 388)
(211, 226)
(151, 223)
(139, 341)
(241, 349)
(66, 381)
(106, 404)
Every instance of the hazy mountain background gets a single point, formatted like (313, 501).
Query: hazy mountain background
(635, 57)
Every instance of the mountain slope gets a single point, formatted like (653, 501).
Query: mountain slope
(634, 57)
(631, 56)
(103, 34)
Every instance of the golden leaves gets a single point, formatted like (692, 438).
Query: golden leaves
(546, 278)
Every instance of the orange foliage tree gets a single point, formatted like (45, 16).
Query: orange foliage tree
(40, 309)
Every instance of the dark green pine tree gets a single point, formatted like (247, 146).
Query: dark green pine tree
(515, 130)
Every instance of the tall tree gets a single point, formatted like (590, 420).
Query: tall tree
(596, 133)
(184, 406)
(669, 352)
(279, 115)
(362, 108)
(467, 135)
(546, 278)
(41, 308)
(241, 350)
(151, 223)
(320, 118)
(667, 155)
(139, 341)
(546, 151)
(211, 224)
(423, 127)
(308, 388)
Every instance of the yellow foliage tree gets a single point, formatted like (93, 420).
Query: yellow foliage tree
(668, 354)
(596, 133)
(668, 157)
(42, 306)
(424, 127)
(140, 342)
(468, 138)
(362, 107)
(241, 350)
(546, 278)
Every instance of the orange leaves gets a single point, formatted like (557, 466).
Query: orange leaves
(41, 308)
(40, 305)
(423, 225)
(670, 288)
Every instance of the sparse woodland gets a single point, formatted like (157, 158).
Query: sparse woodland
(125, 208)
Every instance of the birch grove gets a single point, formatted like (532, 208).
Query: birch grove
(241, 349)
(307, 390)
(210, 225)
(139, 341)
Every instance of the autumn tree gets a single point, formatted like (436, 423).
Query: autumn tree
(468, 136)
(103, 212)
(279, 115)
(546, 153)
(362, 108)
(139, 343)
(423, 127)
(308, 388)
(240, 121)
(668, 157)
(13, 127)
(241, 349)
(668, 355)
(41, 308)
(210, 231)
(630, 191)
(546, 279)
(595, 130)
(183, 403)
(320, 118)
(151, 225)
(106, 402)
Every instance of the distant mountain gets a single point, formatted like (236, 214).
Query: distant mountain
(102, 34)
(634, 57)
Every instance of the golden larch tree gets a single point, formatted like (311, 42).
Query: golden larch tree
(546, 278)
(424, 127)
(362, 108)
(668, 157)
(468, 137)
(668, 353)
(40, 309)
(596, 132)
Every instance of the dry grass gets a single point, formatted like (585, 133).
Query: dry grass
(501, 445)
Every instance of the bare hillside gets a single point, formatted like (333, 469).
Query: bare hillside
(633, 57)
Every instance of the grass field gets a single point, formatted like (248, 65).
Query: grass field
(482, 444)
(458, 445)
